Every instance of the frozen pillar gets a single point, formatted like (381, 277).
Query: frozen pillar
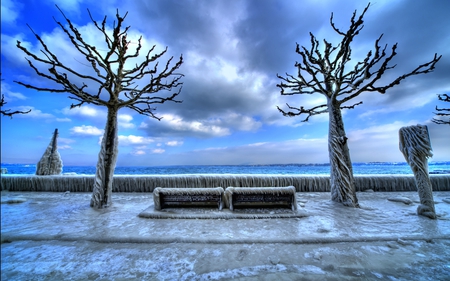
(416, 147)
(50, 163)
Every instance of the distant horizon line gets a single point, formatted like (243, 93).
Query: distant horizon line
(289, 164)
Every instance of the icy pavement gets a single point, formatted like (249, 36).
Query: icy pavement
(57, 236)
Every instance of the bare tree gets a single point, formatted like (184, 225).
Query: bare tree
(8, 112)
(329, 73)
(113, 85)
(442, 112)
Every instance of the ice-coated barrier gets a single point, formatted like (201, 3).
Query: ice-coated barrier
(147, 183)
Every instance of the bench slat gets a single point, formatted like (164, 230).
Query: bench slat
(261, 197)
(187, 197)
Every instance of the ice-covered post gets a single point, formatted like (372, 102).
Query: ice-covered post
(50, 163)
(416, 147)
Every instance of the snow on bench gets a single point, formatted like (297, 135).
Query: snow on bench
(188, 197)
(261, 197)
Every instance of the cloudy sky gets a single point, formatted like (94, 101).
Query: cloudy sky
(232, 53)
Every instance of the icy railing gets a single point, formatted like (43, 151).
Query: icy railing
(147, 183)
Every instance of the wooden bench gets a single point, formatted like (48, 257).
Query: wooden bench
(188, 197)
(261, 197)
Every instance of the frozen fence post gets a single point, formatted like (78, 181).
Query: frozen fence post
(50, 163)
(416, 147)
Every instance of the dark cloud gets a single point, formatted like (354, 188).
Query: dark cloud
(186, 25)
(269, 32)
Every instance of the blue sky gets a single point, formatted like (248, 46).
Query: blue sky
(232, 52)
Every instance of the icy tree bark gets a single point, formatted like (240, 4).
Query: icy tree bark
(107, 158)
(50, 163)
(342, 183)
(416, 147)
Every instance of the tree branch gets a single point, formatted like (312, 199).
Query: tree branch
(325, 72)
(8, 112)
(116, 86)
(442, 111)
(301, 110)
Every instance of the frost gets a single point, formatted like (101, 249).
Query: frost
(81, 243)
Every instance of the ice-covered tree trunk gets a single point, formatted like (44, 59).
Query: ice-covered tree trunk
(107, 157)
(50, 163)
(416, 147)
(342, 182)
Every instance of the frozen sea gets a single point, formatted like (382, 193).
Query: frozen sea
(372, 168)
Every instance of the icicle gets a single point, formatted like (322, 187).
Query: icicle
(147, 183)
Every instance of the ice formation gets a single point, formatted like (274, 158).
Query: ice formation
(147, 183)
(107, 157)
(341, 172)
(50, 163)
(416, 147)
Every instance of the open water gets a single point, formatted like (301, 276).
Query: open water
(276, 169)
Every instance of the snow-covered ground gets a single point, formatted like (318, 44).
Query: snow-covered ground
(57, 236)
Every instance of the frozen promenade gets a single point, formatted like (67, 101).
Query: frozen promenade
(57, 236)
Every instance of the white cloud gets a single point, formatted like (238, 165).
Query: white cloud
(126, 125)
(158, 151)
(174, 143)
(68, 5)
(10, 11)
(257, 144)
(10, 51)
(138, 152)
(384, 131)
(377, 143)
(86, 130)
(63, 120)
(241, 122)
(85, 110)
(284, 152)
(34, 113)
(134, 140)
(63, 143)
(125, 118)
(210, 128)
(125, 121)
(64, 147)
(141, 147)
(175, 125)
(10, 95)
